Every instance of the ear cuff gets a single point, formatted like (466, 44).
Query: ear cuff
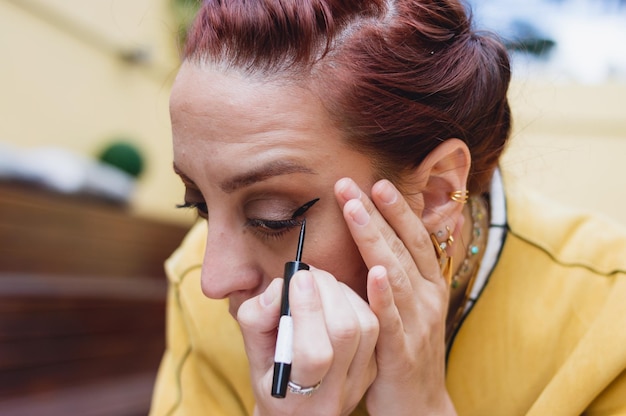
(460, 196)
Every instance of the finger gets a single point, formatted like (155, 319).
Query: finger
(258, 320)
(312, 348)
(351, 325)
(363, 365)
(342, 322)
(377, 247)
(399, 215)
(406, 237)
(380, 243)
(353, 331)
(391, 333)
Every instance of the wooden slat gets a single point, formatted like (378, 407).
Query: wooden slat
(16, 285)
(82, 300)
(44, 233)
(55, 343)
(127, 396)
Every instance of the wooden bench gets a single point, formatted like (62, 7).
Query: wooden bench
(82, 304)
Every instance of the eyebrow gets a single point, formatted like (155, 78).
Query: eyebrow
(258, 174)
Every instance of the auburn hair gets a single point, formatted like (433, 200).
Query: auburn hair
(397, 76)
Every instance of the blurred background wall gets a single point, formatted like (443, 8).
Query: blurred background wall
(569, 142)
(568, 96)
(76, 74)
(82, 286)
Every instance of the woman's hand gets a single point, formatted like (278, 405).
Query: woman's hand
(409, 296)
(335, 333)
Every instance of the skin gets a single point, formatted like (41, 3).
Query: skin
(251, 151)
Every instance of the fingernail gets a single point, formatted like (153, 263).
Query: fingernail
(388, 193)
(304, 282)
(378, 273)
(348, 189)
(358, 213)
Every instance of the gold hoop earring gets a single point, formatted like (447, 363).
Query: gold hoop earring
(445, 261)
(460, 196)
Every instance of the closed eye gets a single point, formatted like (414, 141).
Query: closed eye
(267, 228)
(200, 208)
(272, 228)
(262, 227)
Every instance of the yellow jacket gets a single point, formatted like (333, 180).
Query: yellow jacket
(547, 336)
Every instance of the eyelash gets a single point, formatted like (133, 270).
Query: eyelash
(199, 207)
(265, 228)
(272, 228)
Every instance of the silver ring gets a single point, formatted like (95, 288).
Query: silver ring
(304, 391)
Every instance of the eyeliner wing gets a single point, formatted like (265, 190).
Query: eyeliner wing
(304, 208)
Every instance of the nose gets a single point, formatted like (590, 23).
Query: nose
(228, 265)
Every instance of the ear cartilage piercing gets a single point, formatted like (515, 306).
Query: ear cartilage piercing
(448, 242)
(460, 196)
(445, 261)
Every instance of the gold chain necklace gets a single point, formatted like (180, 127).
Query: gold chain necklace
(468, 270)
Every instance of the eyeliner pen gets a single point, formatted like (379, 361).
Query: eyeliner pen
(284, 341)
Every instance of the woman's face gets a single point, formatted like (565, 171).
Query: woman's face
(250, 153)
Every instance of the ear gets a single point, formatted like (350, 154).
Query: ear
(444, 171)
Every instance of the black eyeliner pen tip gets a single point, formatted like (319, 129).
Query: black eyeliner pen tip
(301, 240)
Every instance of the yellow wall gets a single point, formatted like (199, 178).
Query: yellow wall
(57, 88)
(62, 83)
(569, 141)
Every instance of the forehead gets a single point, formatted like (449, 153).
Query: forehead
(204, 91)
(223, 120)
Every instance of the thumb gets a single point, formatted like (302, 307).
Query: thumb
(258, 319)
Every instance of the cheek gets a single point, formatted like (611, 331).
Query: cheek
(337, 254)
